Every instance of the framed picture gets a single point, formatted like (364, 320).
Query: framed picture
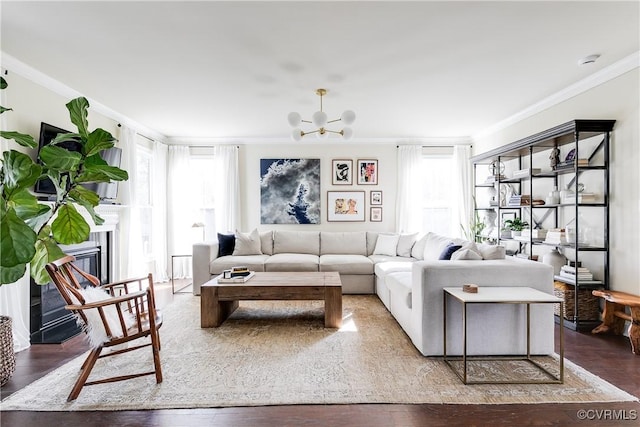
(368, 171)
(342, 172)
(376, 214)
(376, 198)
(504, 216)
(345, 205)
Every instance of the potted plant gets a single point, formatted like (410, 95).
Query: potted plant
(516, 226)
(31, 231)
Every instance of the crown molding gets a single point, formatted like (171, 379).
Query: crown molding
(609, 73)
(16, 66)
(207, 141)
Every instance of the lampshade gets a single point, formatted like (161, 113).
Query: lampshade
(320, 120)
(294, 119)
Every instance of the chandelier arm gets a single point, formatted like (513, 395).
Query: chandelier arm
(333, 121)
(310, 132)
(306, 121)
(333, 131)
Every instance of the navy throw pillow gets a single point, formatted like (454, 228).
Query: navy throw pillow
(448, 251)
(226, 244)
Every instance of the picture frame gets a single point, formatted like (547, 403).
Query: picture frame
(376, 214)
(504, 216)
(345, 206)
(367, 170)
(375, 198)
(342, 171)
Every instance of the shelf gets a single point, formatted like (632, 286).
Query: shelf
(595, 284)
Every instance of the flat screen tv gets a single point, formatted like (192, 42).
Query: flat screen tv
(106, 191)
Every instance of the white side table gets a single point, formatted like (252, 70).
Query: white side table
(501, 295)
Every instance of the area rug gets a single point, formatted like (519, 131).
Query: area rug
(279, 353)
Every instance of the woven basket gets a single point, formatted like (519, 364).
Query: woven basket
(588, 305)
(7, 355)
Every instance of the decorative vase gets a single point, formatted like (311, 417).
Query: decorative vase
(554, 259)
(515, 233)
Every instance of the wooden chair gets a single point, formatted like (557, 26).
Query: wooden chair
(125, 313)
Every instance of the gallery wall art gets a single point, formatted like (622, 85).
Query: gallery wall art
(290, 191)
(345, 205)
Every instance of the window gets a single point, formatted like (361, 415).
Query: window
(203, 178)
(437, 191)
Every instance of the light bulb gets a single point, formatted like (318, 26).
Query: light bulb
(348, 117)
(347, 133)
(294, 119)
(319, 118)
(296, 135)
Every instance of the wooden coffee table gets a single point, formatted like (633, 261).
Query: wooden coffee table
(219, 300)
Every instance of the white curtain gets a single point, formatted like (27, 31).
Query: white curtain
(132, 262)
(227, 200)
(182, 214)
(462, 183)
(409, 194)
(159, 212)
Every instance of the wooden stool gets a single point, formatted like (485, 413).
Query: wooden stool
(614, 316)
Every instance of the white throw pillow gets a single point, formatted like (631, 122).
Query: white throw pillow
(386, 244)
(248, 244)
(434, 246)
(492, 251)
(417, 251)
(405, 244)
(96, 332)
(469, 252)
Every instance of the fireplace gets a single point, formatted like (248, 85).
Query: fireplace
(50, 322)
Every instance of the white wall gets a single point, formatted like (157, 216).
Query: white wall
(616, 99)
(313, 148)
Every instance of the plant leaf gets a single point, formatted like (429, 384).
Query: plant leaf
(47, 250)
(78, 112)
(102, 173)
(3, 83)
(88, 199)
(66, 137)
(19, 171)
(3, 109)
(17, 240)
(12, 274)
(69, 227)
(59, 158)
(26, 205)
(21, 138)
(98, 140)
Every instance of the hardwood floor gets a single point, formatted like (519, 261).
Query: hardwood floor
(609, 357)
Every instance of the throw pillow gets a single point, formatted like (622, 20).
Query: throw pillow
(226, 244)
(434, 246)
(448, 251)
(386, 244)
(468, 251)
(405, 244)
(248, 243)
(492, 251)
(417, 251)
(96, 332)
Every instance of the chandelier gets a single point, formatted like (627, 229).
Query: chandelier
(320, 120)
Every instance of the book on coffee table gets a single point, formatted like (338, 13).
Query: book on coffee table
(238, 279)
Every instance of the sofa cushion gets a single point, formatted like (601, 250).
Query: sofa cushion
(381, 269)
(226, 244)
(469, 251)
(386, 258)
(353, 243)
(253, 263)
(296, 242)
(346, 264)
(492, 251)
(248, 243)
(434, 246)
(292, 262)
(405, 244)
(417, 251)
(266, 242)
(387, 244)
(372, 237)
(399, 284)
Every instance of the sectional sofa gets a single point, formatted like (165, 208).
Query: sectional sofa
(408, 274)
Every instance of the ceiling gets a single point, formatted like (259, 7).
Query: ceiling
(233, 70)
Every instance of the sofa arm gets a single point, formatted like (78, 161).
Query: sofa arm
(430, 277)
(203, 254)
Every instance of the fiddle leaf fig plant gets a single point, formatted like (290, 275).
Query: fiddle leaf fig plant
(30, 231)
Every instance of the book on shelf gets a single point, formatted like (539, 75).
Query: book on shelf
(571, 163)
(519, 200)
(555, 237)
(537, 233)
(572, 281)
(237, 279)
(582, 198)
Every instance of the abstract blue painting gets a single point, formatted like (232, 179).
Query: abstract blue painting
(289, 191)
